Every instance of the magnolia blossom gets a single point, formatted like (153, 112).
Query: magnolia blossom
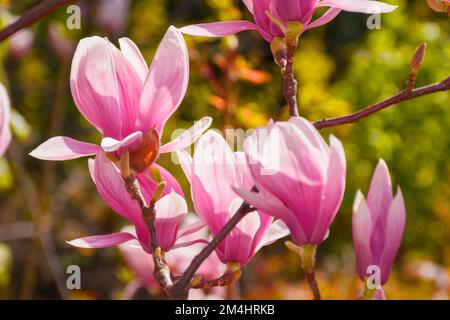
(212, 172)
(378, 225)
(5, 109)
(178, 260)
(170, 213)
(272, 16)
(128, 103)
(300, 179)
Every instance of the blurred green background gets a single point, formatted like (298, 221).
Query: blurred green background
(341, 68)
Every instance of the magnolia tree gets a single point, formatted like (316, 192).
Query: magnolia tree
(287, 181)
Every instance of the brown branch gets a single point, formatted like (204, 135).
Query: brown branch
(289, 81)
(161, 270)
(41, 10)
(398, 98)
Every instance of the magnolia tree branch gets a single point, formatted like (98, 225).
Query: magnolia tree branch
(41, 10)
(398, 98)
(161, 270)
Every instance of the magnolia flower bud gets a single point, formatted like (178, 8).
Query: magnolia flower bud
(419, 55)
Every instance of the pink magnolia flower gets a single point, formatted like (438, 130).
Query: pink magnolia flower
(300, 179)
(285, 11)
(378, 225)
(128, 103)
(5, 109)
(212, 172)
(178, 260)
(170, 213)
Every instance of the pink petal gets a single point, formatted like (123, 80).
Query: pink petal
(277, 230)
(223, 28)
(180, 244)
(312, 134)
(299, 179)
(329, 15)
(379, 198)
(260, 8)
(214, 166)
(238, 244)
(111, 145)
(134, 56)
(243, 174)
(204, 204)
(276, 208)
(186, 163)
(289, 10)
(249, 5)
(129, 87)
(395, 227)
(379, 295)
(94, 85)
(5, 109)
(188, 137)
(362, 231)
(190, 229)
(64, 148)
(170, 212)
(333, 193)
(362, 6)
(102, 241)
(5, 139)
(166, 82)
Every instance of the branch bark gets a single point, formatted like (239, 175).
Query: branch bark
(41, 10)
(289, 81)
(161, 270)
(398, 98)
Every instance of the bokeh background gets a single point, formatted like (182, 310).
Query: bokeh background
(341, 68)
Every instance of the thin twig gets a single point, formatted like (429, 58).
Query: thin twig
(41, 10)
(289, 81)
(398, 98)
(161, 270)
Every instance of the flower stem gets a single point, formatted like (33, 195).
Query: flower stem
(307, 255)
(368, 294)
(283, 50)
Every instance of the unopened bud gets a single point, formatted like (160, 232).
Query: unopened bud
(418, 58)
(146, 153)
(158, 192)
